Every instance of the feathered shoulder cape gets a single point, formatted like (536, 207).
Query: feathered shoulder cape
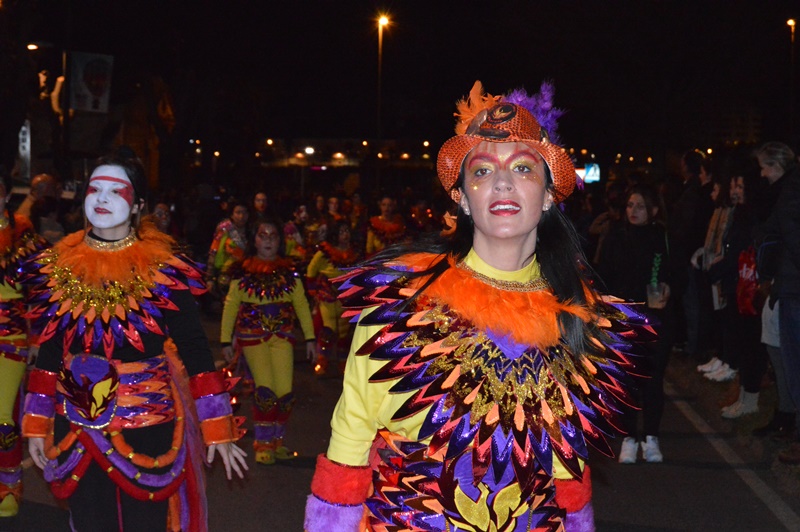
(487, 360)
(107, 293)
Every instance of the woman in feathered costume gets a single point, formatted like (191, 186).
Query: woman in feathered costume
(265, 297)
(333, 330)
(17, 241)
(110, 414)
(483, 363)
(385, 229)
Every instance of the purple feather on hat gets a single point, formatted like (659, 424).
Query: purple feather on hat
(541, 107)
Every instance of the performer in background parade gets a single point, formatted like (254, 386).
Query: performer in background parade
(482, 364)
(264, 298)
(385, 229)
(17, 241)
(109, 413)
(333, 330)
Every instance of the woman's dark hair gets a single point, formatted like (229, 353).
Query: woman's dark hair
(694, 160)
(251, 239)
(558, 252)
(125, 158)
(332, 237)
(652, 199)
(233, 203)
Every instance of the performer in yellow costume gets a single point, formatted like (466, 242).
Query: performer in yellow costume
(265, 297)
(17, 241)
(333, 332)
(482, 364)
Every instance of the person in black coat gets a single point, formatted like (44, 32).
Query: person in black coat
(633, 262)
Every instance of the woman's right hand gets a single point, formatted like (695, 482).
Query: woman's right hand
(36, 450)
(227, 353)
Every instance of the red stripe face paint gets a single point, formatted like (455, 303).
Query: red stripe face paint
(126, 192)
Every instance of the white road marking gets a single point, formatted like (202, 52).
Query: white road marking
(782, 511)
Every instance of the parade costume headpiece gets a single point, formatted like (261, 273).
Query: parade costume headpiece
(516, 117)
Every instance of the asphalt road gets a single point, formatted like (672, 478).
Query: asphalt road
(715, 475)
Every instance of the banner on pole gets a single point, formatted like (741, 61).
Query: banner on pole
(91, 81)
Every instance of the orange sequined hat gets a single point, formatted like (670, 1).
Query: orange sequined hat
(483, 117)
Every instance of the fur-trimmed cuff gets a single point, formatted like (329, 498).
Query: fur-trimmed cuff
(208, 383)
(574, 494)
(322, 516)
(222, 429)
(34, 426)
(42, 382)
(338, 483)
(580, 521)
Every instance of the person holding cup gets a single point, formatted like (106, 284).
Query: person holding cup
(633, 266)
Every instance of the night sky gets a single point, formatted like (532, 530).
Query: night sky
(631, 74)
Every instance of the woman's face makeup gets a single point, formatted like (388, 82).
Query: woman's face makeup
(109, 200)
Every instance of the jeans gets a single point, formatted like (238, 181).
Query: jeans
(790, 347)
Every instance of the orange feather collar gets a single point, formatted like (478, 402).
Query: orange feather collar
(94, 267)
(530, 318)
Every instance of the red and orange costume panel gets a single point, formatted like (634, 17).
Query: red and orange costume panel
(383, 233)
(119, 330)
(17, 241)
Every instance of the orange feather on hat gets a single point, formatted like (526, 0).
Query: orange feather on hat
(468, 108)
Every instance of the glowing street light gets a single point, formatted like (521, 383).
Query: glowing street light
(383, 20)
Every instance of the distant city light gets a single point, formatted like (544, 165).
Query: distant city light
(191, 141)
(309, 150)
(426, 143)
(630, 159)
(269, 142)
(426, 156)
(258, 154)
(380, 155)
(216, 154)
(198, 150)
(299, 155)
(649, 160)
(709, 151)
(364, 143)
(405, 156)
(33, 46)
(584, 151)
(383, 20)
(338, 155)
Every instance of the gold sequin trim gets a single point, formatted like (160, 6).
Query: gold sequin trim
(534, 285)
(101, 245)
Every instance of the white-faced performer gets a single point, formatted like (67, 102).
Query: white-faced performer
(108, 412)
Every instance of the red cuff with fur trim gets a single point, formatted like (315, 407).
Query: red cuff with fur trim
(208, 383)
(574, 494)
(42, 382)
(339, 483)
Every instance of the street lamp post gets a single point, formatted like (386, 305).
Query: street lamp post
(383, 20)
(792, 95)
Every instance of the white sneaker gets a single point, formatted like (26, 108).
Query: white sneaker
(651, 450)
(724, 374)
(711, 365)
(747, 404)
(628, 452)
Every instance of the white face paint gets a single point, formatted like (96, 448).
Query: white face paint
(109, 202)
